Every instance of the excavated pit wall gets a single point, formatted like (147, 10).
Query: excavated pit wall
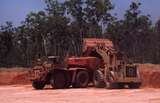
(150, 74)
(12, 76)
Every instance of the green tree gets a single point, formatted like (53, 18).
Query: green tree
(7, 32)
(36, 25)
(132, 35)
(90, 15)
(156, 42)
(55, 8)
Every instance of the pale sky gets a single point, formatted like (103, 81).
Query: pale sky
(16, 10)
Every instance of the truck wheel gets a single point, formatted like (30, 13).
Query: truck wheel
(38, 84)
(58, 80)
(98, 79)
(114, 86)
(121, 85)
(82, 80)
(68, 80)
(111, 84)
(134, 85)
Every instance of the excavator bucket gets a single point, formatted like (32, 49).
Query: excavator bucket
(90, 44)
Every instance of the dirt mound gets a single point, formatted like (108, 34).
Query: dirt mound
(14, 76)
(150, 75)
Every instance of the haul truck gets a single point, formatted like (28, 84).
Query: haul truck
(100, 64)
(77, 73)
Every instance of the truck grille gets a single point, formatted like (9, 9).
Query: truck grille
(131, 71)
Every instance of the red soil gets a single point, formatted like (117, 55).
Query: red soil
(14, 76)
(150, 75)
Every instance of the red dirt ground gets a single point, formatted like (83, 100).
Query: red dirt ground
(13, 88)
(26, 94)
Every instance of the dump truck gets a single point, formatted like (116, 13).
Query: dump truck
(76, 72)
(100, 64)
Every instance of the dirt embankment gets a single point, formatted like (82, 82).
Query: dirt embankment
(14, 76)
(150, 74)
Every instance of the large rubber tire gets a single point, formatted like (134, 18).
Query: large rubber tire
(58, 80)
(98, 80)
(38, 84)
(82, 80)
(68, 80)
(115, 86)
(121, 86)
(111, 83)
(134, 85)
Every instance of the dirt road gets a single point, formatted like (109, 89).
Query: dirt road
(26, 94)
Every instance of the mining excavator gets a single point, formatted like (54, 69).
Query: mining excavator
(115, 70)
(100, 64)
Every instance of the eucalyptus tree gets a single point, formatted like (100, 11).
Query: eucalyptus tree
(90, 15)
(36, 25)
(132, 34)
(7, 32)
(156, 42)
(86, 19)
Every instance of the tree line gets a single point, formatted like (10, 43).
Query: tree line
(61, 27)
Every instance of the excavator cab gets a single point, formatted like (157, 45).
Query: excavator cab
(54, 59)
